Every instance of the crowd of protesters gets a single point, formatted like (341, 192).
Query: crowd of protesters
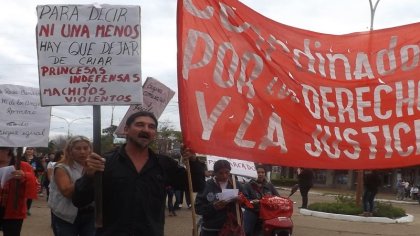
(140, 187)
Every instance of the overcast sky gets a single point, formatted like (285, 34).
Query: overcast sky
(18, 60)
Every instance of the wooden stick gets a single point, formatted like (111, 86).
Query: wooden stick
(359, 187)
(17, 167)
(238, 214)
(98, 175)
(190, 187)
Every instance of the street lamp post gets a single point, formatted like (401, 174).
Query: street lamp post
(69, 122)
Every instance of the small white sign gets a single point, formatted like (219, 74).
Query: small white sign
(239, 167)
(156, 97)
(24, 123)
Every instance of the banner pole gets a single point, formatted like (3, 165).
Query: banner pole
(238, 213)
(98, 175)
(17, 167)
(192, 200)
(359, 187)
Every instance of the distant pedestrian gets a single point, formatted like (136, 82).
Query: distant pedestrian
(407, 189)
(400, 190)
(305, 181)
(170, 197)
(30, 157)
(371, 184)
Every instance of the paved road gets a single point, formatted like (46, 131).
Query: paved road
(38, 223)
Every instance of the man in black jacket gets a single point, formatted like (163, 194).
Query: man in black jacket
(371, 184)
(305, 181)
(134, 180)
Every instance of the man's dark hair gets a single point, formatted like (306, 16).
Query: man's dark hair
(221, 164)
(133, 117)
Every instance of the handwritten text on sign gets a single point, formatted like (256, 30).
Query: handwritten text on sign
(259, 90)
(239, 167)
(89, 55)
(23, 121)
(156, 97)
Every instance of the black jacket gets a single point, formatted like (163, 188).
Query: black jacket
(372, 182)
(198, 170)
(133, 203)
(254, 190)
(305, 178)
(212, 218)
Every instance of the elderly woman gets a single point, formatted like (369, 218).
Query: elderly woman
(68, 220)
(13, 201)
(214, 211)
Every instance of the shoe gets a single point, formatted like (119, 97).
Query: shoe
(365, 214)
(189, 206)
(180, 206)
(28, 213)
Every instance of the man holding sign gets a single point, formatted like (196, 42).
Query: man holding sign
(134, 180)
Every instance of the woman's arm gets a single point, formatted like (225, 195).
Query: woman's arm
(63, 182)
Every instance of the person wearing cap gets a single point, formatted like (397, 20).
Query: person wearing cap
(133, 182)
(13, 193)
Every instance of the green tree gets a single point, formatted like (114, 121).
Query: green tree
(168, 139)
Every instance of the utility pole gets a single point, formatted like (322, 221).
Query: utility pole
(360, 173)
(69, 122)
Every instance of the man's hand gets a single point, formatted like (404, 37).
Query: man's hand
(187, 154)
(218, 205)
(94, 163)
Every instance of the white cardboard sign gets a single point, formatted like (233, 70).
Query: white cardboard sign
(156, 97)
(24, 123)
(89, 54)
(239, 167)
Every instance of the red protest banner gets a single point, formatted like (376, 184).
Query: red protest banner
(254, 89)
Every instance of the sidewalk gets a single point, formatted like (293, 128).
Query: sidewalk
(382, 197)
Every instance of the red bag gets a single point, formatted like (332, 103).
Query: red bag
(274, 206)
(231, 227)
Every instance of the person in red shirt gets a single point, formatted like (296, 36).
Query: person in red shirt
(23, 179)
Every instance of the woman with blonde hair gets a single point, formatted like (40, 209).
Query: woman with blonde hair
(68, 220)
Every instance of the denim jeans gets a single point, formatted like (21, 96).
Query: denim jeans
(251, 222)
(170, 196)
(84, 225)
(368, 201)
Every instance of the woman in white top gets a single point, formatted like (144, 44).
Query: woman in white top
(69, 220)
(50, 167)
